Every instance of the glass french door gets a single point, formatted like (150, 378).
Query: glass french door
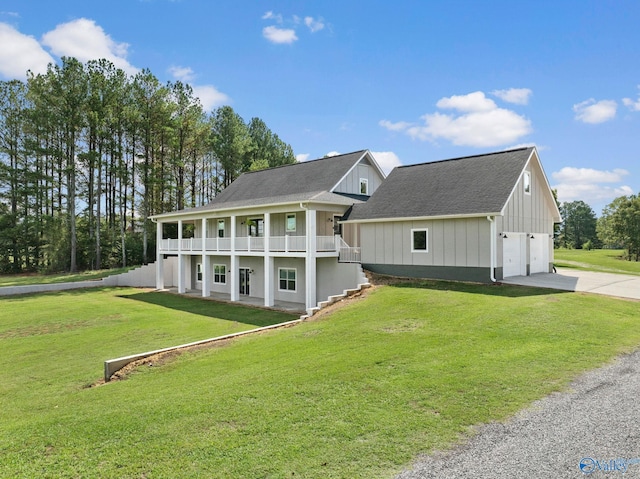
(244, 281)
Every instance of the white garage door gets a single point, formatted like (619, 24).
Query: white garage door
(539, 254)
(513, 255)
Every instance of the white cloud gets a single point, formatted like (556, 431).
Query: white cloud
(313, 24)
(333, 153)
(399, 126)
(302, 157)
(590, 192)
(387, 160)
(631, 104)
(85, 40)
(184, 74)
(588, 184)
(473, 102)
(591, 111)
(20, 53)
(272, 16)
(480, 123)
(210, 97)
(573, 175)
(519, 96)
(279, 35)
(525, 145)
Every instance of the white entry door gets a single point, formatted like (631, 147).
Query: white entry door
(539, 253)
(513, 255)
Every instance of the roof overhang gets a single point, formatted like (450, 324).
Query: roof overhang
(226, 211)
(422, 218)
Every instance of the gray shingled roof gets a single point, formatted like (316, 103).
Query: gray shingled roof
(306, 181)
(462, 186)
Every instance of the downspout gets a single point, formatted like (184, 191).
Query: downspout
(493, 249)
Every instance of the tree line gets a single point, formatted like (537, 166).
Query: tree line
(618, 226)
(88, 154)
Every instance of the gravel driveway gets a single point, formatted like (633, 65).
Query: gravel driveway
(592, 430)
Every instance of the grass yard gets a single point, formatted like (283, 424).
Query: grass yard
(357, 393)
(29, 279)
(604, 260)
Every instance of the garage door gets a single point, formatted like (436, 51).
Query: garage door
(539, 254)
(513, 255)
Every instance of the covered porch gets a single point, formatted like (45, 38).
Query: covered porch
(297, 308)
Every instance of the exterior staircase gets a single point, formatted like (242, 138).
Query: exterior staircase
(362, 283)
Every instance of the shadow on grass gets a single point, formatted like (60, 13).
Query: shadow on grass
(498, 289)
(213, 309)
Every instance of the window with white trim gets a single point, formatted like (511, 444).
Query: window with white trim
(291, 222)
(287, 279)
(364, 186)
(220, 228)
(198, 271)
(219, 274)
(420, 240)
(526, 182)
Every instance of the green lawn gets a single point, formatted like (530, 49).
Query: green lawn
(29, 279)
(358, 393)
(605, 260)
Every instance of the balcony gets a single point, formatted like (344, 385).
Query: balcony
(252, 244)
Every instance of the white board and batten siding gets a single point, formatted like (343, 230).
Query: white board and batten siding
(363, 171)
(455, 242)
(527, 228)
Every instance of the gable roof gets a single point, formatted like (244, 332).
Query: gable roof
(306, 181)
(468, 186)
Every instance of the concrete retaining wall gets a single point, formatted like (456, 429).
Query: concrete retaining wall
(141, 277)
(112, 366)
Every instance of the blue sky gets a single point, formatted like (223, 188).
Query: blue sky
(412, 81)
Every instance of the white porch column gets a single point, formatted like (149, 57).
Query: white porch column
(159, 258)
(233, 264)
(206, 288)
(181, 278)
(310, 260)
(268, 264)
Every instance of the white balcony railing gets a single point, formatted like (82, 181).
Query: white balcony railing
(346, 253)
(279, 244)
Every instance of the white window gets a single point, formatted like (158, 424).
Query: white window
(291, 222)
(220, 228)
(364, 186)
(419, 240)
(219, 274)
(526, 181)
(287, 279)
(198, 271)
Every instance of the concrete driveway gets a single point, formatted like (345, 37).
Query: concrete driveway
(620, 285)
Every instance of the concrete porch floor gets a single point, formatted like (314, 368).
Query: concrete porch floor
(244, 300)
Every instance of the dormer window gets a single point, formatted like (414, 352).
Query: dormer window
(364, 186)
(526, 181)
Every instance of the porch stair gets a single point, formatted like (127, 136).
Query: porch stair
(363, 283)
